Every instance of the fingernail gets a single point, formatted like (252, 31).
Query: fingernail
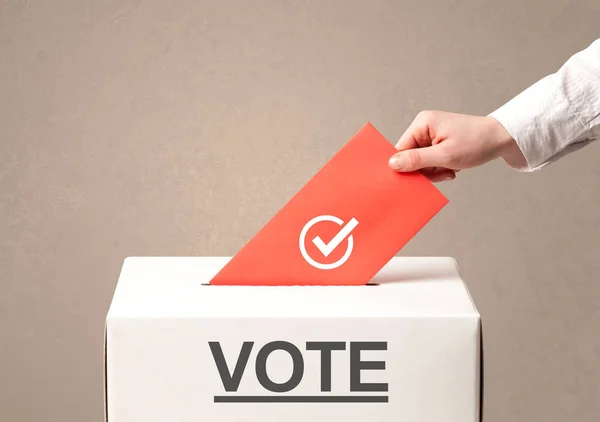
(397, 162)
(448, 178)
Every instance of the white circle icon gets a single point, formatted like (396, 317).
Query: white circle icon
(327, 248)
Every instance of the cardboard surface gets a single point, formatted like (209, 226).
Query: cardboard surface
(342, 227)
(177, 349)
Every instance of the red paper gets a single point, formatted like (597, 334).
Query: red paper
(343, 226)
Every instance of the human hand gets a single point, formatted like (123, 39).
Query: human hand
(439, 144)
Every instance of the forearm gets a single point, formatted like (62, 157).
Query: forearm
(558, 114)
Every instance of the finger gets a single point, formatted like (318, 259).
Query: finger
(438, 174)
(417, 135)
(416, 159)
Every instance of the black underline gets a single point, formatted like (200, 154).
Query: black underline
(300, 399)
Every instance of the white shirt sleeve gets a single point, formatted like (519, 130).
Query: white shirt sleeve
(558, 114)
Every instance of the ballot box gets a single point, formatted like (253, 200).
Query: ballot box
(405, 347)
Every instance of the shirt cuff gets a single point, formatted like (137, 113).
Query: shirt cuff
(542, 123)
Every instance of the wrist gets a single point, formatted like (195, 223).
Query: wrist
(503, 141)
(507, 146)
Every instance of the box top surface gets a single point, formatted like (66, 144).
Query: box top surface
(176, 287)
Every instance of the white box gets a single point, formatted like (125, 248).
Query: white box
(411, 347)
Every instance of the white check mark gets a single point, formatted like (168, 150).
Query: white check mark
(327, 248)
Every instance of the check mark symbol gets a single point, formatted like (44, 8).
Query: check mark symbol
(327, 248)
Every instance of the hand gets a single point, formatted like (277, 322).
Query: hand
(439, 144)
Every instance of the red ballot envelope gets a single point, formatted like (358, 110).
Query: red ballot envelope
(343, 226)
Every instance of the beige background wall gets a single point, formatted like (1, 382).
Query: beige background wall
(179, 128)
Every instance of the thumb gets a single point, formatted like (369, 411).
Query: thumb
(416, 159)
